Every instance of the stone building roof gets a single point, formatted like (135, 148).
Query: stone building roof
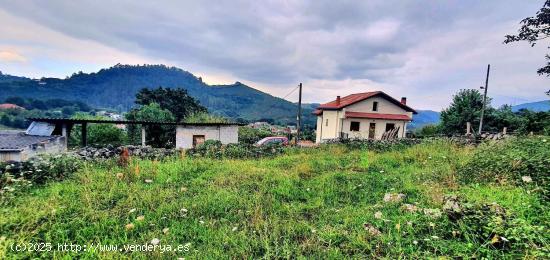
(17, 141)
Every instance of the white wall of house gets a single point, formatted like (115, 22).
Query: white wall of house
(380, 127)
(225, 133)
(384, 107)
(331, 122)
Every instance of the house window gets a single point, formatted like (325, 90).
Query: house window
(326, 122)
(354, 126)
(375, 106)
(389, 126)
(372, 130)
(197, 140)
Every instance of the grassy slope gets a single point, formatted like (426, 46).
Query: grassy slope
(306, 203)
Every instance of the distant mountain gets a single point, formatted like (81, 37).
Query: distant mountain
(540, 106)
(10, 78)
(116, 87)
(424, 117)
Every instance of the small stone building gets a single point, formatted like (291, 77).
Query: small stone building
(19, 146)
(190, 135)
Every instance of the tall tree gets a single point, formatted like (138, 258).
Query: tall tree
(156, 135)
(534, 29)
(466, 107)
(177, 101)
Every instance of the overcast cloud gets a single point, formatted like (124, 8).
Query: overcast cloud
(425, 50)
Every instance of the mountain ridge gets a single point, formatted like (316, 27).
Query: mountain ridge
(115, 88)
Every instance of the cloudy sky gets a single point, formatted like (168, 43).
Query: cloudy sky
(425, 50)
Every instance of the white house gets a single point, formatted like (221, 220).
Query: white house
(362, 115)
(190, 135)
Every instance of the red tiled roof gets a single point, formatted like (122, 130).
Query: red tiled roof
(348, 100)
(10, 106)
(354, 98)
(377, 116)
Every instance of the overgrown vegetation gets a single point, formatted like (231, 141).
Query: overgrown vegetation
(336, 201)
(520, 161)
(466, 107)
(215, 149)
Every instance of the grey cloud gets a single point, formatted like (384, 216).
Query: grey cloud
(399, 43)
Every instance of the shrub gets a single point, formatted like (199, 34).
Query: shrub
(249, 135)
(215, 149)
(19, 176)
(39, 169)
(520, 161)
(495, 227)
(376, 145)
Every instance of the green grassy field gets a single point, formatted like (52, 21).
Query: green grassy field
(311, 203)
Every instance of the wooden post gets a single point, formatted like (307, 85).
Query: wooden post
(142, 135)
(484, 99)
(504, 130)
(299, 124)
(84, 134)
(65, 134)
(468, 127)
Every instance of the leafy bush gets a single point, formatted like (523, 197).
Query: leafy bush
(428, 130)
(376, 145)
(249, 135)
(521, 161)
(37, 170)
(215, 149)
(494, 226)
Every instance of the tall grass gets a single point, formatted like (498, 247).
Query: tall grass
(310, 203)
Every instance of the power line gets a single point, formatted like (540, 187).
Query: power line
(291, 92)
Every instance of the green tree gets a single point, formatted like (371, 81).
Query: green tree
(204, 117)
(503, 117)
(249, 135)
(534, 29)
(176, 100)
(428, 130)
(97, 134)
(536, 122)
(466, 107)
(156, 135)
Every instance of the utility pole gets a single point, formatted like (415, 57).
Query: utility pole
(299, 117)
(484, 99)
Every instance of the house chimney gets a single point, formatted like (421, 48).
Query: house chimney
(337, 100)
(404, 100)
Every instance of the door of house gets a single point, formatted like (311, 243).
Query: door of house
(372, 130)
(198, 139)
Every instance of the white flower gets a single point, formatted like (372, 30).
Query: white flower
(155, 241)
(148, 181)
(526, 179)
(378, 215)
(415, 242)
(234, 229)
(132, 210)
(165, 230)
(201, 222)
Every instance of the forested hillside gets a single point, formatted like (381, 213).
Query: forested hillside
(116, 87)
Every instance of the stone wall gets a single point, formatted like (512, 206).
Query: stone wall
(145, 152)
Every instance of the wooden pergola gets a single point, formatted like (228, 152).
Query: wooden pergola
(63, 126)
